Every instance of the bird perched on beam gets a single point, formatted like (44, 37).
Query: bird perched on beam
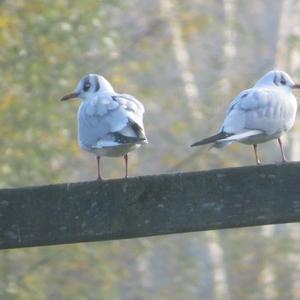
(259, 114)
(109, 124)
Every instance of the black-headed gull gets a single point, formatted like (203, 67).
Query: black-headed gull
(109, 124)
(259, 114)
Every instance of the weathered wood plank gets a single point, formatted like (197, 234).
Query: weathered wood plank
(150, 205)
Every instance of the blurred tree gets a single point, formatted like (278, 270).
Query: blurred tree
(185, 60)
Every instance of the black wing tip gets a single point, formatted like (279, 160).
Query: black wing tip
(203, 142)
(196, 144)
(123, 139)
(212, 139)
(143, 140)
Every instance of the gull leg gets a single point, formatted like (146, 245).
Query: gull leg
(256, 155)
(126, 165)
(98, 168)
(281, 150)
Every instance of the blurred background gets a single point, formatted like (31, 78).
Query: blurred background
(185, 60)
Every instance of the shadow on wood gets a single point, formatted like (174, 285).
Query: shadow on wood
(150, 205)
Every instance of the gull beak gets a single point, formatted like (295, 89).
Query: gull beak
(69, 96)
(296, 86)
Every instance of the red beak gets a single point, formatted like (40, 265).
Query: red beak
(69, 96)
(296, 86)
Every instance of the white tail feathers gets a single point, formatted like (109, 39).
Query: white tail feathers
(239, 137)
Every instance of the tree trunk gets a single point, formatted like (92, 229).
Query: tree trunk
(169, 12)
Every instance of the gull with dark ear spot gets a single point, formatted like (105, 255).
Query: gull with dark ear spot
(259, 114)
(109, 124)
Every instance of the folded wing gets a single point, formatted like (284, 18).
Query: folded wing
(265, 109)
(111, 120)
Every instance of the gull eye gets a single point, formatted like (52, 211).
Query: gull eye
(283, 81)
(86, 86)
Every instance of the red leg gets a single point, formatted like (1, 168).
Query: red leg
(283, 158)
(126, 165)
(256, 155)
(98, 168)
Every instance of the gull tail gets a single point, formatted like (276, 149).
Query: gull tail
(213, 139)
(240, 136)
(222, 139)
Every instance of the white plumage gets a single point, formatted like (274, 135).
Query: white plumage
(109, 124)
(259, 114)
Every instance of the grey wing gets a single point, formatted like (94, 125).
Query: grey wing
(256, 109)
(110, 121)
(237, 100)
(133, 109)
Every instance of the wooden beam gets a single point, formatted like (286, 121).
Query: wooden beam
(149, 205)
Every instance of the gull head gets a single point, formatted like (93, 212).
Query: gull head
(89, 86)
(279, 79)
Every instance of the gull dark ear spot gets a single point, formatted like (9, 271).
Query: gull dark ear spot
(86, 84)
(282, 80)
